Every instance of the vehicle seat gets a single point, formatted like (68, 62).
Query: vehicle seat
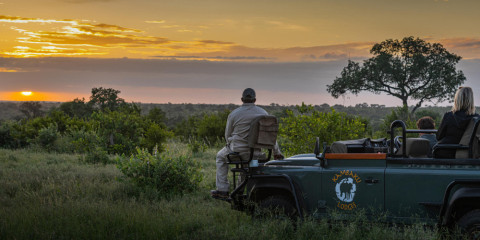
(416, 148)
(469, 145)
(262, 135)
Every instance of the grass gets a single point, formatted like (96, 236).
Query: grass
(58, 196)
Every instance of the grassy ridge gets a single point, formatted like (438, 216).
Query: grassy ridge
(57, 196)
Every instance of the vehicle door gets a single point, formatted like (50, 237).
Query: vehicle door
(354, 181)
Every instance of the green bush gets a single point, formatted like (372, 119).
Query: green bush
(208, 127)
(164, 174)
(97, 156)
(298, 132)
(155, 136)
(47, 137)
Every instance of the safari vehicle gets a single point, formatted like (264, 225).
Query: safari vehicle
(398, 178)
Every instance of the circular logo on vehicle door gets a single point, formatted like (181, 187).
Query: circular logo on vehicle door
(345, 188)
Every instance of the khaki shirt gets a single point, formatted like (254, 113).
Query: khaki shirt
(238, 126)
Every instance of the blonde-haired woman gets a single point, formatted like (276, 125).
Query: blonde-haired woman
(456, 121)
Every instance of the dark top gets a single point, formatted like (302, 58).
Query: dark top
(430, 137)
(451, 131)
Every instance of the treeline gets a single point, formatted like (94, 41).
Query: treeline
(106, 124)
(176, 113)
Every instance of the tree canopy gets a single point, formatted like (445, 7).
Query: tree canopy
(408, 69)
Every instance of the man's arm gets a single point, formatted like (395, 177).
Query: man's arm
(228, 128)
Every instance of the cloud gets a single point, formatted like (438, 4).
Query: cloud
(91, 39)
(156, 21)
(467, 48)
(287, 26)
(359, 50)
(11, 19)
(85, 1)
(154, 80)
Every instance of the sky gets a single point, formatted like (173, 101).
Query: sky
(190, 51)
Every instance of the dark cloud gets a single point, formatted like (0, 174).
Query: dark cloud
(85, 1)
(215, 58)
(73, 73)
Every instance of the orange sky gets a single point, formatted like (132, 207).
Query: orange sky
(312, 39)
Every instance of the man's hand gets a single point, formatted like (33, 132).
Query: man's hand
(278, 157)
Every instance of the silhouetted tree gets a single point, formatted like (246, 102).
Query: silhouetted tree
(106, 98)
(31, 109)
(407, 69)
(76, 108)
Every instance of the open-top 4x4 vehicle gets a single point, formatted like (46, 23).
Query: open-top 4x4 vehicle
(405, 180)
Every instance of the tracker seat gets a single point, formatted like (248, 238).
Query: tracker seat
(262, 135)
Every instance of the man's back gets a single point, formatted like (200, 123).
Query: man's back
(238, 126)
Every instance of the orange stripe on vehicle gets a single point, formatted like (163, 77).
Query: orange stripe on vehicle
(355, 155)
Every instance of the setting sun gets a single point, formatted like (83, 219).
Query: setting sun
(26, 93)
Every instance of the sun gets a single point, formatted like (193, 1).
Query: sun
(26, 93)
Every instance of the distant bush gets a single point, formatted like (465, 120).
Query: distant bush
(165, 174)
(97, 156)
(298, 132)
(208, 127)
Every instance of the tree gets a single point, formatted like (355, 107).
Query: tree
(407, 69)
(31, 109)
(76, 108)
(106, 98)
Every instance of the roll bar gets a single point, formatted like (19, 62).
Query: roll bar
(400, 123)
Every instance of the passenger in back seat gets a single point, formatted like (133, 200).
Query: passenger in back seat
(456, 121)
(426, 123)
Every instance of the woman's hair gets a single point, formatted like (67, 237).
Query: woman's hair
(464, 101)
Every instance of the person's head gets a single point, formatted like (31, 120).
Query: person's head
(248, 96)
(426, 122)
(464, 101)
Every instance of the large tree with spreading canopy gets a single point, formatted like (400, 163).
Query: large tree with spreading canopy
(410, 69)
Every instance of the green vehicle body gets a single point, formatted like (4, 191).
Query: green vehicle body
(433, 191)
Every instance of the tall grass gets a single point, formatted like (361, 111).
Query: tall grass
(59, 196)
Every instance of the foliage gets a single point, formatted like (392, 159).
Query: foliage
(76, 128)
(154, 136)
(407, 69)
(210, 127)
(165, 174)
(47, 136)
(105, 98)
(31, 109)
(77, 108)
(97, 156)
(196, 145)
(157, 116)
(298, 132)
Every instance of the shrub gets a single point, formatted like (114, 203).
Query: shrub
(155, 136)
(298, 132)
(47, 136)
(197, 146)
(167, 175)
(97, 156)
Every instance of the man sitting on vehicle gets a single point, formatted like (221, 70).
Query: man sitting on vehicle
(426, 123)
(236, 135)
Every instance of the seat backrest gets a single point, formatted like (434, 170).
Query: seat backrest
(416, 147)
(263, 132)
(470, 138)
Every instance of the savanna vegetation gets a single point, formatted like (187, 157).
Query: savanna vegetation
(104, 169)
